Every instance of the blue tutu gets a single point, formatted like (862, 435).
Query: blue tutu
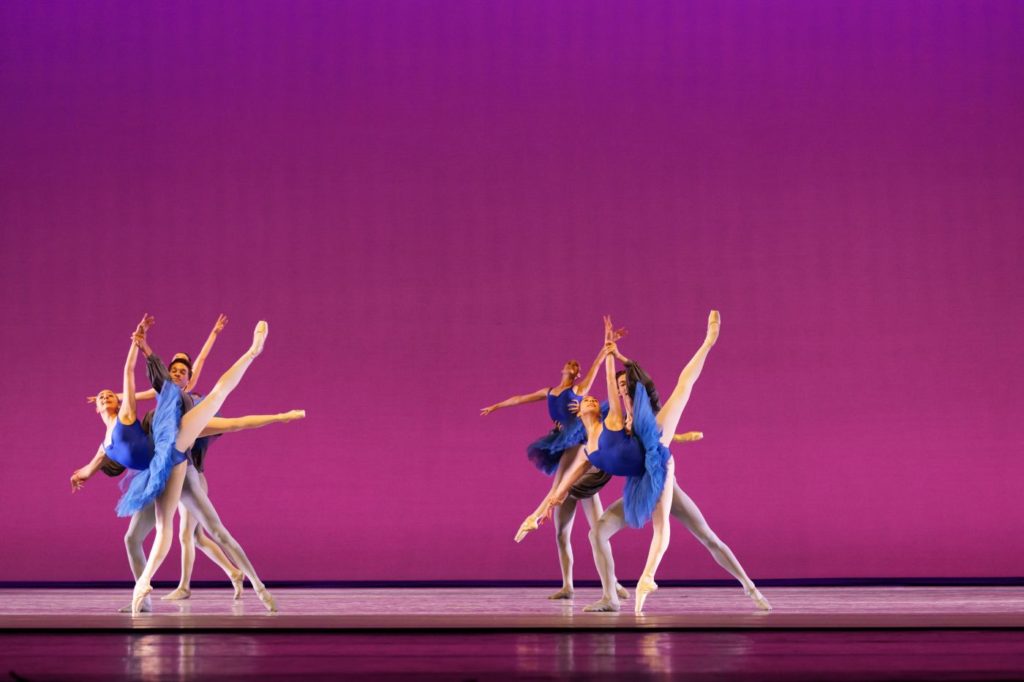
(146, 485)
(546, 451)
(641, 493)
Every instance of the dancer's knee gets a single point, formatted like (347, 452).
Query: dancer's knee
(133, 540)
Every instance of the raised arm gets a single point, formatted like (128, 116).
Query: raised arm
(197, 367)
(539, 394)
(148, 394)
(127, 411)
(614, 418)
(588, 381)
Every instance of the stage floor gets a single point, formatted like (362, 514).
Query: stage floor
(518, 609)
(705, 634)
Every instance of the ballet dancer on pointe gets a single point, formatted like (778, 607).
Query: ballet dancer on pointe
(553, 453)
(162, 463)
(683, 507)
(185, 374)
(642, 457)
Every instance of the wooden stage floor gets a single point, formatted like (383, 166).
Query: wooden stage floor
(519, 609)
(703, 634)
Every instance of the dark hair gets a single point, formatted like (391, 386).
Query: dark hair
(182, 361)
(634, 376)
(110, 467)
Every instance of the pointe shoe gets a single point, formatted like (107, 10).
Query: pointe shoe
(714, 327)
(293, 415)
(688, 437)
(527, 527)
(238, 582)
(644, 588)
(564, 593)
(621, 591)
(178, 594)
(267, 599)
(139, 595)
(758, 599)
(259, 337)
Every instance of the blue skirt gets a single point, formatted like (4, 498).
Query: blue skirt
(546, 451)
(144, 486)
(641, 493)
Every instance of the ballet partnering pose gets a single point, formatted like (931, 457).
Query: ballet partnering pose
(642, 457)
(683, 507)
(161, 462)
(555, 451)
(185, 374)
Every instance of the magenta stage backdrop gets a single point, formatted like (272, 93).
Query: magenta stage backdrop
(434, 203)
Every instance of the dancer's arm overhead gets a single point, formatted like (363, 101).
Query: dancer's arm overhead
(127, 412)
(539, 394)
(197, 368)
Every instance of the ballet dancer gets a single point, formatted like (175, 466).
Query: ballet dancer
(683, 507)
(553, 453)
(190, 531)
(185, 374)
(162, 462)
(642, 457)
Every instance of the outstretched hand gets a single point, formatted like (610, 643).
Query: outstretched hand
(484, 411)
(221, 322)
(78, 479)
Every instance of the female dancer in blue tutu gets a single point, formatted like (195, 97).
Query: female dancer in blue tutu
(160, 457)
(555, 451)
(642, 457)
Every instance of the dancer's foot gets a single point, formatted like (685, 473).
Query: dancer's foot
(178, 594)
(758, 599)
(237, 582)
(621, 592)
(714, 326)
(528, 526)
(603, 605)
(293, 415)
(644, 587)
(688, 437)
(139, 595)
(147, 607)
(564, 593)
(259, 337)
(267, 599)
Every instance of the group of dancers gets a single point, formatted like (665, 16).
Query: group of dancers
(165, 454)
(590, 443)
(628, 436)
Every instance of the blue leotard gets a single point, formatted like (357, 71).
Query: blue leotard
(130, 445)
(640, 457)
(151, 457)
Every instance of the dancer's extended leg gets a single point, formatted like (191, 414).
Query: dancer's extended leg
(686, 510)
(164, 507)
(142, 522)
(197, 419)
(670, 413)
(219, 425)
(195, 498)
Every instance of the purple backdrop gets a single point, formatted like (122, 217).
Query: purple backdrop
(434, 203)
